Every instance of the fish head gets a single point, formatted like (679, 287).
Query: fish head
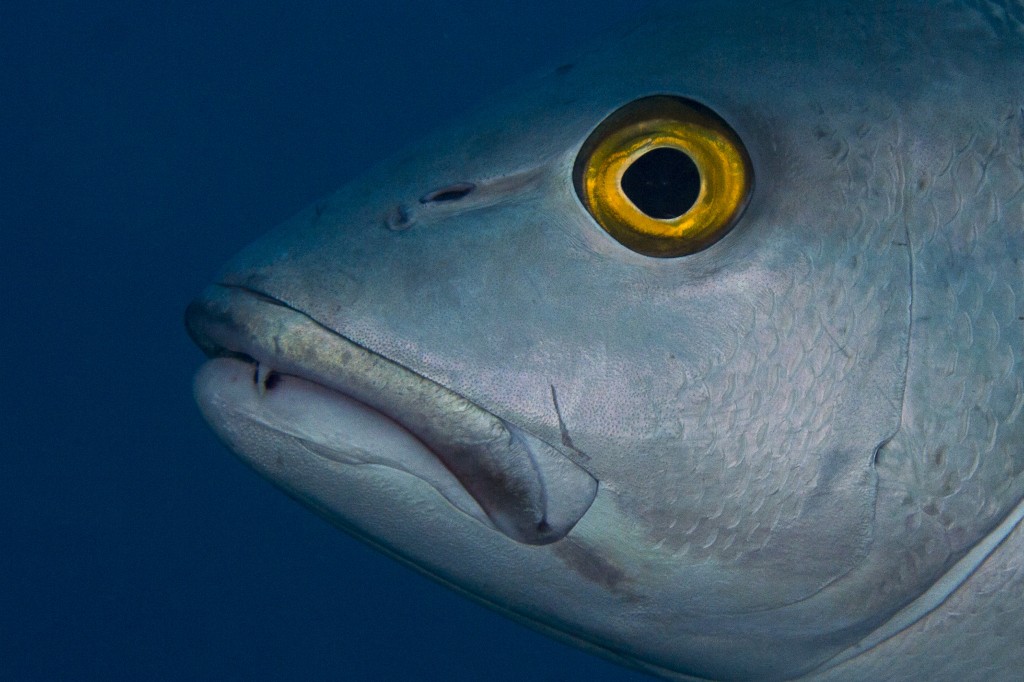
(672, 455)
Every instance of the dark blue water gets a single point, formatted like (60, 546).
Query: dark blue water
(139, 147)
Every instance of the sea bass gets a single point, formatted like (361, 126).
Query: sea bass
(704, 352)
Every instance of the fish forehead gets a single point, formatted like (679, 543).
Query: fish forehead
(768, 405)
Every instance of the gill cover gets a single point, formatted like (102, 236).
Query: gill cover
(664, 176)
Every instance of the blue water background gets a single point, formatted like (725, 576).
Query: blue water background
(140, 146)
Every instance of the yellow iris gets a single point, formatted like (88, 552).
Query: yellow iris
(721, 177)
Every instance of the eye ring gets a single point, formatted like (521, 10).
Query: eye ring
(678, 226)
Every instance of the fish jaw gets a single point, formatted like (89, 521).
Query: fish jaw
(277, 367)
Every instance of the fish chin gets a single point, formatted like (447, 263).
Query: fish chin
(275, 373)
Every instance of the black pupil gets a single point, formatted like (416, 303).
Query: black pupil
(663, 183)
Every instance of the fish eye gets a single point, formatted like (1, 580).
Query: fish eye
(664, 176)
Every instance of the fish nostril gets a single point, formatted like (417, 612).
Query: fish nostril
(398, 218)
(449, 193)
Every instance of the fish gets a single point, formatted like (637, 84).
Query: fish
(703, 352)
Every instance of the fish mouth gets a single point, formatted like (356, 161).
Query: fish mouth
(272, 363)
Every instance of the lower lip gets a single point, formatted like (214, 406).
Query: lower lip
(326, 423)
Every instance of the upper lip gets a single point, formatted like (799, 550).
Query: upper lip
(508, 471)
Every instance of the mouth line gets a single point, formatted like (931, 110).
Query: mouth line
(528, 489)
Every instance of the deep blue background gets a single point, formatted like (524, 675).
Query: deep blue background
(140, 146)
